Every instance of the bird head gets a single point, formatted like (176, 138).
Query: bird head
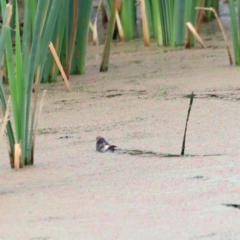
(98, 137)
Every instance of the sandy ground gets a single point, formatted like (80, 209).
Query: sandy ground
(72, 192)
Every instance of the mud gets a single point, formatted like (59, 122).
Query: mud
(140, 104)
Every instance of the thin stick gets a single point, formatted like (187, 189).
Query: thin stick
(222, 30)
(54, 53)
(5, 120)
(185, 132)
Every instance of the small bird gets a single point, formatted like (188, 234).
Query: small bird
(103, 146)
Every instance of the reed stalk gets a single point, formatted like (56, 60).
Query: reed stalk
(235, 30)
(22, 67)
(107, 45)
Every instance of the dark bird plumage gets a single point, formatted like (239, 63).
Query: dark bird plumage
(103, 146)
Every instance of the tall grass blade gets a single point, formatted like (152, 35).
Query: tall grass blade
(21, 73)
(128, 19)
(166, 21)
(235, 33)
(48, 24)
(12, 79)
(72, 38)
(30, 66)
(107, 46)
(179, 20)
(61, 24)
(84, 12)
(157, 27)
(149, 17)
(7, 14)
(214, 4)
(104, 14)
(18, 65)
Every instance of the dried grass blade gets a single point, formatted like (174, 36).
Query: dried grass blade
(95, 32)
(5, 120)
(119, 25)
(17, 157)
(144, 24)
(222, 30)
(195, 34)
(200, 16)
(56, 58)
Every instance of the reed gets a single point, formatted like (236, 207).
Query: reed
(235, 29)
(107, 46)
(25, 66)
